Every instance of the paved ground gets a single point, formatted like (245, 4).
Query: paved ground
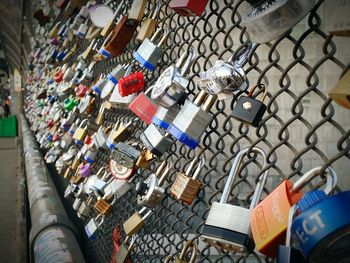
(12, 209)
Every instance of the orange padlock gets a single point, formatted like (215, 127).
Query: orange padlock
(269, 219)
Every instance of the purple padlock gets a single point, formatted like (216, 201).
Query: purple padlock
(54, 41)
(85, 170)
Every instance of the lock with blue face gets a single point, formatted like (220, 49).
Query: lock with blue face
(322, 229)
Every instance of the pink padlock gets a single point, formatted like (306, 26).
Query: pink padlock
(85, 170)
(50, 123)
(56, 137)
(81, 90)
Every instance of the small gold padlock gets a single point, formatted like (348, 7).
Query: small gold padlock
(103, 207)
(81, 131)
(136, 221)
(149, 25)
(76, 162)
(68, 172)
(341, 92)
(101, 113)
(144, 160)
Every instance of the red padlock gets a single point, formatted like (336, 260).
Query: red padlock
(81, 90)
(133, 83)
(56, 137)
(115, 238)
(50, 123)
(144, 107)
(188, 7)
(58, 76)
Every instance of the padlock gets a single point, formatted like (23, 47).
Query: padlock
(80, 132)
(133, 83)
(150, 192)
(68, 172)
(155, 140)
(98, 86)
(228, 76)
(76, 204)
(269, 219)
(144, 160)
(89, 51)
(136, 221)
(227, 226)
(171, 85)
(81, 90)
(144, 107)
(119, 133)
(101, 112)
(116, 98)
(267, 20)
(100, 137)
(119, 37)
(83, 210)
(97, 182)
(101, 15)
(186, 188)
(124, 250)
(87, 76)
(116, 188)
(92, 226)
(321, 230)
(119, 171)
(91, 154)
(109, 26)
(340, 93)
(150, 52)
(286, 253)
(125, 155)
(113, 77)
(165, 116)
(188, 7)
(54, 30)
(69, 104)
(85, 170)
(73, 128)
(76, 161)
(103, 207)
(190, 246)
(137, 10)
(82, 30)
(86, 105)
(149, 24)
(193, 119)
(248, 109)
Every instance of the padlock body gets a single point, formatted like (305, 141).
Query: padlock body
(133, 83)
(144, 108)
(125, 155)
(122, 253)
(148, 54)
(341, 91)
(155, 141)
(133, 224)
(165, 116)
(248, 110)
(269, 219)
(90, 229)
(188, 7)
(289, 255)
(137, 10)
(185, 188)
(103, 207)
(115, 136)
(146, 30)
(79, 135)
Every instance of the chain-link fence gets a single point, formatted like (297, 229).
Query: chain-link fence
(302, 127)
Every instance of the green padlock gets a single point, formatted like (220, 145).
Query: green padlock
(70, 103)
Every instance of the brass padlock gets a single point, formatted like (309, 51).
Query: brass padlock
(186, 188)
(341, 92)
(89, 51)
(190, 246)
(103, 207)
(149, 25)
(137, 9)
(81, 132)
(101, 113)
(136, 221)
(119, 133)
(76, 161)
(124, 250)
(68, 172)
(144, 160)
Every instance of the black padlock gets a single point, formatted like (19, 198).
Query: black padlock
(248, 109)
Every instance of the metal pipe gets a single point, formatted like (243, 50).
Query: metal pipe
(53, 238)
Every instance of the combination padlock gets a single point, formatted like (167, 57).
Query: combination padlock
(186, 188)
(119, 133)
(269, 219)
(193, 119)
(150, 52)
(188, 7)
(341, 91)
(170, 87)
(267, 20)
(93, 225)
(144, 107)
(119, 171)
(133, 83)
(124, 250)
(227, 226)
(134, 223)
(286, 253)
(248, 109)
(321, 230)
(125, 155)
(80, 132)
(149, 24)
(155, 140)
(228, 76)
(137, 10)
(150, 192)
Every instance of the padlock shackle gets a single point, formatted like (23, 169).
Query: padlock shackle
(309, 175)
(190, 245)
(292, 214)
(144, 209)
(155, 12)
(83, 123)
(202, 95)
(263, 96)
(199, 165)
(209, 102)
(241, 57)
(234, 172)
(163, 171)
(128, 70)
(185, 61)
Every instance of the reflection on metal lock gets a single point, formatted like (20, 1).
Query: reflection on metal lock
(188, 7)
(144, 107)
(93, 225)
(80, 132)
(340, 93)
(137, 10)
(125, 155)
(149, 24)
(248, 109)
(144, 160)
(150, 51)
(269, 219)
(150, 192)
(133, 83)
(155, 140)
(267, 20)
(171, 85)
(228, 76)
(124, 250)
(193, 119)
(83, 210)
(227, 226)
(136, 221)
(186, 188)
(288, 254)
(322, 229)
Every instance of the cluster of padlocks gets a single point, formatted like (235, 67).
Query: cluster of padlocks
(66, 99)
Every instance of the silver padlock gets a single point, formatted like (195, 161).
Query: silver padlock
(83, 210)
(98, 86)
(165, 116)
(100, 137)
(85, 104)
(91, 153)
(96, 182)
(171, 85)
(150, 192)
(76, 204)
(227, 226)
(112, 80)
(155, 140)
(68, 156)
(116, 188)
(227, 77)
(87, 75)
(93, 225)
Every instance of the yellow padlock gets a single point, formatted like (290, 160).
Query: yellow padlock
(341, 92)
(80, 132)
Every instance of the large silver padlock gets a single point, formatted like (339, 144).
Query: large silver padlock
(155, 140)
(150, 192)
(227, 226)
(150, 51)
(93, 225)
(170, 87)
(228, 76)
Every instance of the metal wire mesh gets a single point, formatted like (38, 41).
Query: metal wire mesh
(290, 132)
